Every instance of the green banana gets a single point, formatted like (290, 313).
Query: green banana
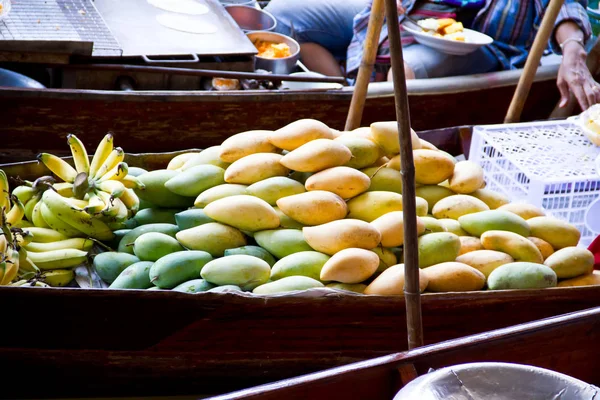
(4, 192)
(58, 259)
(58, 277)
(80, 156)
(31, 205)
(45, 235)
(24, 193)
(74, 243)
(37, 218)
(58, 224)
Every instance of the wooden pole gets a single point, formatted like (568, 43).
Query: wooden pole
(411, 255)
(366, 66)
(533, 61)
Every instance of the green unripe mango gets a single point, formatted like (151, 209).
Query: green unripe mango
(288, 284)
(219, 192)
(109, 265)
(194, 286)
(287, 222)
(156, 216)
(433, 194)
(213, 238)
(300, 176)
(433, 225)
(384, 179)
(136, 276)
(364, 151)
(119, 234)
(156, 192)
(522, 275)
(126, 243)
(196, 180)
(478, 223)
(282, 242)
(225, 288)
(387, 258)
(153, 245)
(191, 218)
(244, 271)
(136, 171)
(304, 263)
(453, 226)
(272, 189)
(146, 204)
(254, 251)
(436, 248)
(176, 268)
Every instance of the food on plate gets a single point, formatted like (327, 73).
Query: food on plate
(446, 28)
(268, 49)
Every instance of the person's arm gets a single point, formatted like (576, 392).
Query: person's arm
(571, 32)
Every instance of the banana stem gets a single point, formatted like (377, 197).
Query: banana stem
(81, 185)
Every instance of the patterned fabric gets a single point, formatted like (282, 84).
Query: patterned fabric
(512, 23)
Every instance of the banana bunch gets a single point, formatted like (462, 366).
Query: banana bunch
(11, 213)
(95, 198)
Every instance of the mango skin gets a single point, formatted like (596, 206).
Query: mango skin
(194, 286)
(522, 275)
(436, 248)
(453, 226)
(384, 179)
(254, 251)
(491, 198)
(391, 282)
(153, 245)
(364, 151)
(272, 189)
(244, 271)
(570, 262)
(136, 276)
(213, 238)
(558, 233)
(485, 261)
(157, 193)
(592, 279)
(523, 210)
(126, 243)
(176, 268)
(219, 192)
(544, 247)
(454, 277)
(304, 263)
(518, 247)
(244, 212)
(469, 244)
(297, 133)
(350, 266)
(335, 236)
(109, 265)
(493, 220)
(191, 218)
(156, 216)
(433, 194)
(458, 205)
(372, 205)
(195, 180)
(433, 225)
(282, 242)
(287, 284)
(432, 167)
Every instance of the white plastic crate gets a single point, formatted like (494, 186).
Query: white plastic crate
(549, 164)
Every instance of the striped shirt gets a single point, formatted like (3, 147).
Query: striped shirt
(512, 24)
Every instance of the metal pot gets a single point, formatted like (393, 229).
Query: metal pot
(251, 18)
(276, 65)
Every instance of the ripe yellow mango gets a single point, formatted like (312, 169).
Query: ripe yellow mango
(433, 194)
(515, 245)
(219, 192)
(544, 247)
(386, 135)
(387, 258)
(453, 226)
(316, 156)
(363, 132)
(245, 143)
(436, 248)
(352, 265)
(422, 206)
(272, 189)
(456, 206)
(247, 213)
(570, 262)
(380, 162)
(493, 220)
(313, 208)
(454, 277)
(350, 287)
(485, 261)
(364, 151)
(558, 233)
(592, 279)
(287, 222)
(433, 225)
(391, 282)
(469, 244)
(288, 284)
(282, 242)
(304, 263)
(213, 237)
(491, 198)
(427, 145)
(336, 134)
(343, 234)
(467, 177)
(522, 275)
(371, 205)
(523, 210)
(297, 133)
(384, 179)
(178, 161)
(432, 167)
(391, 227)
(209, 155)
(255, 167)
(346, 182)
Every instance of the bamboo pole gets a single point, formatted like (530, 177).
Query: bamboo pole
(533, 61)
(359, 96)
(411, 255)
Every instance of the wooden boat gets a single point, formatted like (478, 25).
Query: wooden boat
(161, 121)
(567, 344)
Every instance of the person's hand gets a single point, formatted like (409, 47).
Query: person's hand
(401, 9)
(574, 76)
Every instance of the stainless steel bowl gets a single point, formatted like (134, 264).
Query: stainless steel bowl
(251, 18)
(276, 65)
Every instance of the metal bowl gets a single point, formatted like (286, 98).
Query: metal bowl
(251, 18)
(276, 65)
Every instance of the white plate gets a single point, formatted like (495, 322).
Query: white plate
(293, 85)
(474, 40)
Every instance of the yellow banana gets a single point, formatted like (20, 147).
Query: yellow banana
(45, 235)
(4, 192)
(9, 266)
(37, 218)
(74, 243)
(58, 166)
(114, 206)
(102, 151)
(16, 213)
(80, 155)
(65, 189)
(29, 282)
(26, 266)
(114, 188)
(115, 157)
(95, 204)
(131, 182)
(23, 224)
(131, 201)
(31, 205)
(77, 218)
(78, 204)
(117, 172)
(58, 277)
(23, 237)
(3, 243)
(59, 224)
(24, 193)
(57, 259)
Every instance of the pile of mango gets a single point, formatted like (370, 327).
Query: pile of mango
(307, 206)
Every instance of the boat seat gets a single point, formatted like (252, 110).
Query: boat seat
(13, 79)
